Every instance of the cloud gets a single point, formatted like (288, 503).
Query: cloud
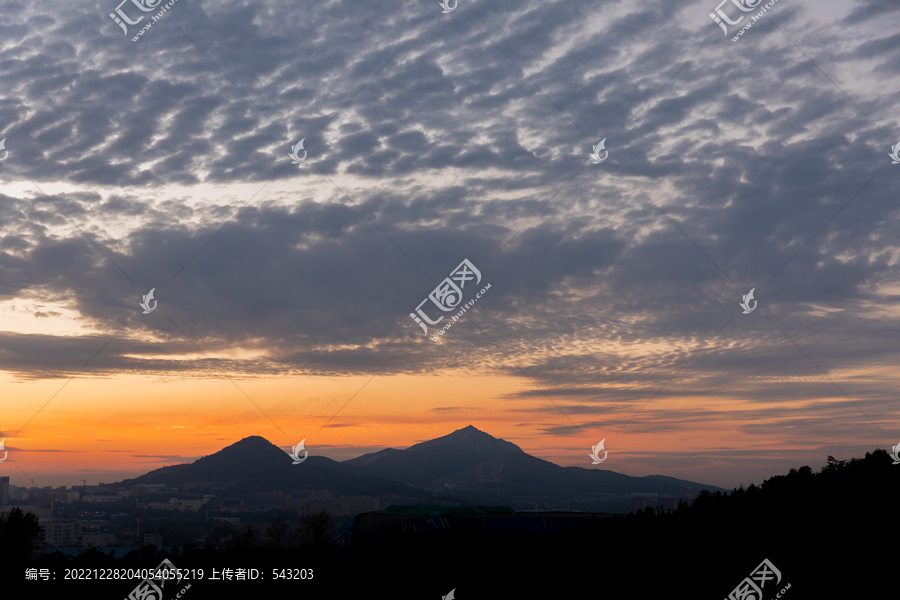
(163, 164)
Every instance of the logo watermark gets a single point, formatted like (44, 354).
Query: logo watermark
(722, 20)
(754, 18)
(748, 588)
(895, 150)
(6, 152)
(447, 296)
(595, 452)
(895, 450)
(146, 303)
(122, 20)
(148, 589)
(446, 6)
(296, 160)
(595, 156)
(449, 596)
(744, 5)
(296, 452)
(746, 303)
(5, 452)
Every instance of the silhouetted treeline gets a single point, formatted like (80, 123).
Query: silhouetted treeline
(20, 537)
(830, 533)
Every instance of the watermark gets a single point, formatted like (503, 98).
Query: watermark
(5, 452)
(296, 452)
(6, 152)
(743, 5)
(459, 315)
(754, 18)
(447, 296)
(595, 452)
(122, 20)
(748, 588)
(595, 156)
(895, 150)
(895, 450)
(148, 589)
(146, 303)
(449, 596)
(722, 20)
(746, 303)
(446, 6)
(295, 158)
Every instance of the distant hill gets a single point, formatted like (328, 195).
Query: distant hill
(467, 466)
(442, 457)
(479, 468)
(255, 464)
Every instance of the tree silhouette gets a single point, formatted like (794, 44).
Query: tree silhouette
(277, 528)
(245, 538)
(834, 464)
(314, 528)
(20, 535)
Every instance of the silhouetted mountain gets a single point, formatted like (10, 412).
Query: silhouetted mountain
(476, 467)
(421, 464)
(368, 458)
(467, 466)
(255, 464)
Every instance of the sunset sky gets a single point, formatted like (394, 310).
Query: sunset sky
(284, 291)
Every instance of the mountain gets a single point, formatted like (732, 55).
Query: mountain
(467, 466)
(476, 467)
(423, 463)
(254, 464)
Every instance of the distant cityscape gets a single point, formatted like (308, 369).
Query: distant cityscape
(66, 524)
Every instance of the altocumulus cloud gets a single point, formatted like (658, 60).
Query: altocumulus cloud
(724, 163)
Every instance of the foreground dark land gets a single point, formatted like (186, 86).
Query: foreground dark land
(831, 534)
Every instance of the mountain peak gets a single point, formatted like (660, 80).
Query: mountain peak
(472, 437)
(252, 440)
(433, 459)
(249, 449)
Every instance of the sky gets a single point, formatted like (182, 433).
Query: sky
(283, 290)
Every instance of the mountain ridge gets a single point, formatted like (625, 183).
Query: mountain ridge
(465, 466)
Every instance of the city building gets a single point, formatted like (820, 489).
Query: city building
(48, 495)
(232, 506)
(332, 507)
(342, 506)
(59, 532)
(100, 498)
(192, 505)
(227, 519)
(154, 539)
(4, 491)
(184, 504)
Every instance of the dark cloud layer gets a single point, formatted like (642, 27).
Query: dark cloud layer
(434, 138)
